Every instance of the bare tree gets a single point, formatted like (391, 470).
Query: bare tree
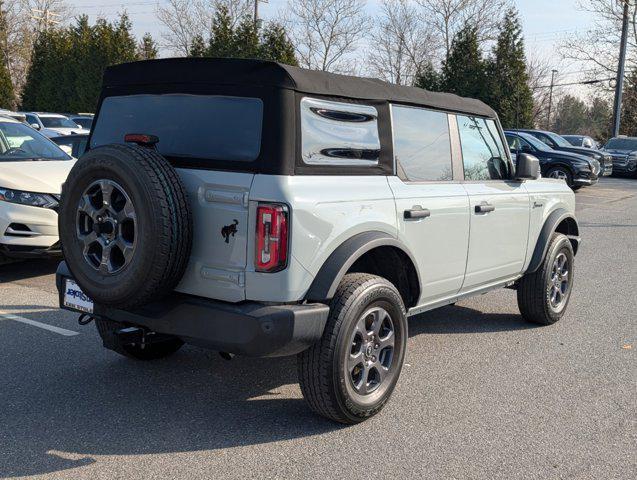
(325, 32)
(447, 17)
(598, 48)
(186, 19)
(25, 20)
(402, 42)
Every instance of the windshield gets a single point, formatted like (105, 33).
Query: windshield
(558, 140)
(57, 122)
(622, 144)
(538, 144)
(19, 142)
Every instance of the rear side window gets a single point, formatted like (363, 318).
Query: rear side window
(192, 126)
(422, 144)
(337, 133)
(483, 154)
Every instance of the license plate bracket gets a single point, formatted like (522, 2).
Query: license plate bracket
(75, 299)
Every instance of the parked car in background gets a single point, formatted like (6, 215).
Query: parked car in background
(53, 124)
(15, 115)
(556, 142)
(576, 170)
(623, 151)
(74, 144)
(32, 170)
(581, 141)
(83, 120)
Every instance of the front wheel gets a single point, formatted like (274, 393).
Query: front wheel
(544, 294)
(561, 173)
(349, 375)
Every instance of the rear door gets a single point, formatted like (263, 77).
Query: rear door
(499, 206)
(432, 209)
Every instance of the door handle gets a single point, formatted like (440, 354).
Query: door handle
(416, 213)
(485, 208)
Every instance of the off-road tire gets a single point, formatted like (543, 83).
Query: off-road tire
(149, 351)
(320, 367)
(534, 288)
(163, 225)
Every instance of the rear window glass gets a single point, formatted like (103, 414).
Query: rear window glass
(192, 126)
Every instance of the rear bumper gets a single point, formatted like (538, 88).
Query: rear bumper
(246, 328)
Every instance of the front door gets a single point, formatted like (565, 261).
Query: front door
(499, 206)
(432, 209)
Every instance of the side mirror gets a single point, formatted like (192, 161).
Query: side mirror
(527, 168)
(36, 126)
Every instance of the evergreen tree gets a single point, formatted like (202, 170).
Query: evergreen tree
(629, 106)
(276, 46)
(571, 116)
(245, 40)
(599, 114)
(147, 48)
(7, 97)
(222, 37)
(67, 64)
(464, 70)
(428, 78)
(508, 92)
(197, 47)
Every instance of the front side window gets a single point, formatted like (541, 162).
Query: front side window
(483, 154)
(188, 126)
(21, 143)
(336, 133)
(422, 144)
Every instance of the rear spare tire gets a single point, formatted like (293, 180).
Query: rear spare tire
(125, 225)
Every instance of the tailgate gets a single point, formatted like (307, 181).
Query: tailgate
(219, 202)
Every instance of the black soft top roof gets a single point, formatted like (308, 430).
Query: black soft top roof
(226, 71)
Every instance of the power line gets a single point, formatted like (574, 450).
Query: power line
(583, 82)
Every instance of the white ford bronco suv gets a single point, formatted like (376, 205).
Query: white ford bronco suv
(266, 210)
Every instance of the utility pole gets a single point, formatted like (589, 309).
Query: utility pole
(256, 12)
(548, 115)
(45, 17)
(621, 68)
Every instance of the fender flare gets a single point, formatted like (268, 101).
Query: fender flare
(340, 260)
(548, 229)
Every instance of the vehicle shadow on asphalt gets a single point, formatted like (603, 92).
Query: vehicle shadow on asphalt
(460, 319)
(73, 401)
(25, 269)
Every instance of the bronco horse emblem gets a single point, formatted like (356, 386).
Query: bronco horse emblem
(230, 230)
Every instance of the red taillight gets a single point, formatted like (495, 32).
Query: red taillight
(141, 139)
(272, 237)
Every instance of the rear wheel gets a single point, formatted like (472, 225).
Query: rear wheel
(561, 173)
(351, 372)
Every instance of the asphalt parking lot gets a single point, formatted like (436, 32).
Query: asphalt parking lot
(482, 395)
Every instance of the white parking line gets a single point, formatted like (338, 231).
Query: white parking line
(33, 323)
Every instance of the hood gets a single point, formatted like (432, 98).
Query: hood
(35, 176)
(67, 131)
(617, 151)
(587, 152)
(569, 156)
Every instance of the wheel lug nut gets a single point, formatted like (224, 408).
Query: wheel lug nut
(376, 346)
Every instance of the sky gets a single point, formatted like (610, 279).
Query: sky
(545, 23)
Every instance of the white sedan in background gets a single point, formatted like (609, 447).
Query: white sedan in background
(53, 124)
(32, 170)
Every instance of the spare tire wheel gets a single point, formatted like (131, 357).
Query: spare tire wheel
(125, 225)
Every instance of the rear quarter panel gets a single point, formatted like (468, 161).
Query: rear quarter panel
(325, 211)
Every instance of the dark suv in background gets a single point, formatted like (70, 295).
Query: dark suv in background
(556, 142)
(576, 170)
(623, 151)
